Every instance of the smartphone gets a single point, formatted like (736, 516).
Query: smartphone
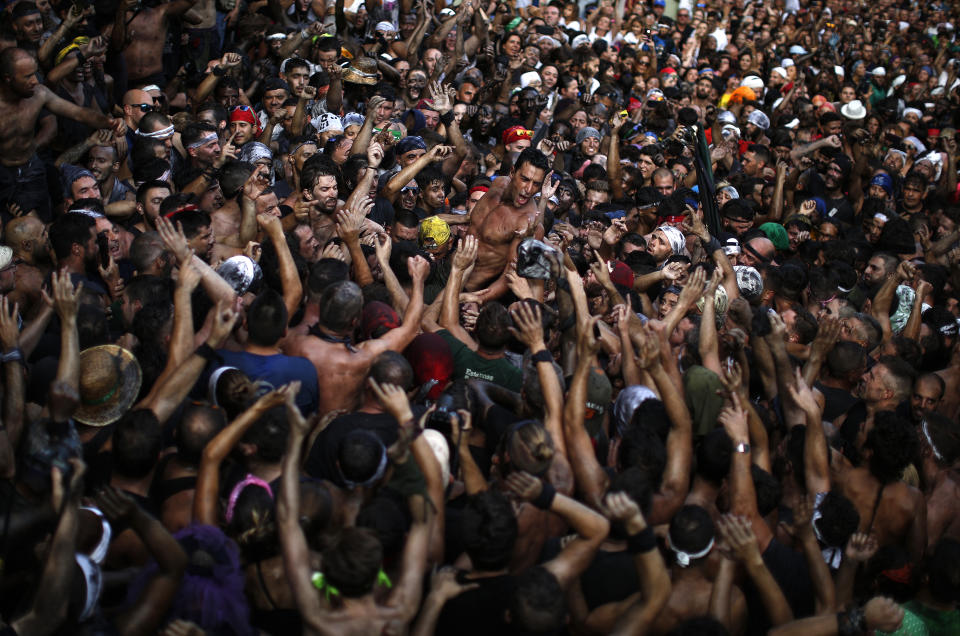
(104, 245)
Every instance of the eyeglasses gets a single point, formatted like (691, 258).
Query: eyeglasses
(146, 108)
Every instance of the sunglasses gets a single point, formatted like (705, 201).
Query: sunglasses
(145, 108)
(412, 189)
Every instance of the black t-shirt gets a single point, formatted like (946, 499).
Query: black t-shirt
(322, 461)
(479, 611)
(837, 401)
(789, 569)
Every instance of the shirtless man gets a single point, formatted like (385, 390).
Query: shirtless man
(939, 452)
(505, 216)
(142, 35)
(890, 509)
(22, 97)
(204, 42)
(341, 366)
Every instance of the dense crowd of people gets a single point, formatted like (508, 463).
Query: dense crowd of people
(488, 317)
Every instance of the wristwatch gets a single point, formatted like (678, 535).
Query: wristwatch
(742, 447)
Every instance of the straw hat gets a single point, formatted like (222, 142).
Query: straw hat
(109, 383)
(363, 70)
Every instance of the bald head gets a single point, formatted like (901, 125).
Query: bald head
(25, 236)
(132, 102)
(757, 252)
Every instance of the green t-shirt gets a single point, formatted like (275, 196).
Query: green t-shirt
(467, 364)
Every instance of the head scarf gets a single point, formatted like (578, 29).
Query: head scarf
(245, 113)
(674, 237)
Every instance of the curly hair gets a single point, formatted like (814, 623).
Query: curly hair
(894, 443)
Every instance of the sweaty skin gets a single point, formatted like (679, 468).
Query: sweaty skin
(504, 217)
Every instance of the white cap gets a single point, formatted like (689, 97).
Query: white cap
(787, 62)
(839, 70)
(579, 41)
(779, 70)
(752, 81)
(879, 71)
(793, 123)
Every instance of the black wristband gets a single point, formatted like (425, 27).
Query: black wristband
(545, 499)
(542, 356)
(207, 352)
(447, 118)
(219, 71)
(713, 245)
(643, 541)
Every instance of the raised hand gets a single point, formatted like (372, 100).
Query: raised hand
(734, 421)
(732, 377)
(616, 231)
(440, 152)
(393, 399)
(524, 485)
(738, 534)
(174, 240)
(693, 290)
(883, 614)
(466, 254)
(227, 151)
(66, 298)
(9, 331)
(374, 155)
(118, 507)
(441, 101)
(673, 271)
(224, 319)
(693, 224)
(549, 187)
(383, 247)
(529, 326)
(419, 268)
(861, 547)
(618, 506)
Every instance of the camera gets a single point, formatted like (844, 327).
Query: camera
(440, 418)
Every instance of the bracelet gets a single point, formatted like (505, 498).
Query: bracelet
(81, 58)
(542, 356)
(545, 499)
(14, 355)
(851, 622)
(643, 541)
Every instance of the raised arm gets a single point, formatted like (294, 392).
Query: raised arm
(147, 613)
(397, 339)
(66, 300)
(349, 222)
(383, 247)
(49, 609)
(172, 388)
(174, 240)
(293, 545)
(205, 503)
(736, 531)
(14, 387)
(742, 493)
(463, 259)
(709, 344)
(654, 580)
(529, 331)
(591, 527)
(289, 278)
(676, 475)
(402, 178)
(591, 479)
(827, 334)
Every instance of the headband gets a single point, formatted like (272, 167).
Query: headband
(212, 383)
(99, 552)
(306, 142)
(763, 259)
(479, 188)
(203, 141)
(684, 558)
(151, 87)
(926, 433)
(163, 133)
(249, 480)
(90, 213)
(275, 36)
(190, 207)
